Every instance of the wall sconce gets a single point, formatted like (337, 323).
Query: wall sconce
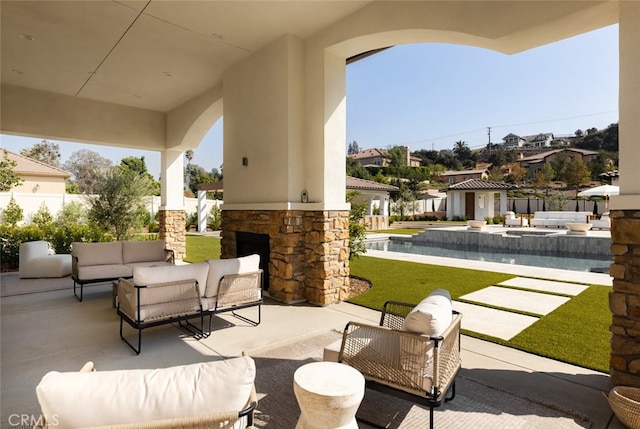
(245, 161)
(36, 188)
(304, 197)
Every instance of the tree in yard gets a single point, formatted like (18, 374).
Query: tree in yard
(543, 177)
(495, 175)
(8, 177)
(577, 174)
(45, 151)
(397, 156)
(118, 201)
(12, 214)
(353, 148)
(357, 227)
(88, 167)
(189, 155)
(518, 174)
(139, 166)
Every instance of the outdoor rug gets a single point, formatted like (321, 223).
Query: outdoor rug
(476, 405)
(11, 284)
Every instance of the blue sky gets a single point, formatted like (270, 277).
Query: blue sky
(429, 96)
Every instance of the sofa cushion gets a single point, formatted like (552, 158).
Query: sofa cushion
(142, 251)
(432, 316)
(109, 253)
(131, 396)
(103, 272)
(168, 273)
(222, 267)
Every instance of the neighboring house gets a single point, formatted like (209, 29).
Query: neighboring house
(451, 177)
(535, 162)
(613, 177)
(477, 199)
(512, 141)
(37, 176)
(380, 158)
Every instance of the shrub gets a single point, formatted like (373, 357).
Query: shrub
(215, 218)
(13, 213)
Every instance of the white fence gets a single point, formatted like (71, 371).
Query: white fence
(31, 203)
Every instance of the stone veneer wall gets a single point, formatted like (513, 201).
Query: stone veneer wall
(309, 257)
(624, 300)
(172, 226)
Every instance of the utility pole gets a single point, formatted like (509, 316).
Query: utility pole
(489, 133)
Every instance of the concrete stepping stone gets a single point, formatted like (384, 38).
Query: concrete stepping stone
(545, 285)
(489, 321)
(531, 302)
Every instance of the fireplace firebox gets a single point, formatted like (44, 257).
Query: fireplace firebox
(248, 243)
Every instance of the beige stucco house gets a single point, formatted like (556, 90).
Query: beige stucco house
(38, 177)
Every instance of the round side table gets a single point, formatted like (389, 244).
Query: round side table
(328, 394)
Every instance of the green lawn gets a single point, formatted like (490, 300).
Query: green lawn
(201, 248)
(576, 332)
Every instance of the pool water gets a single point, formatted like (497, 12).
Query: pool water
(595, 264)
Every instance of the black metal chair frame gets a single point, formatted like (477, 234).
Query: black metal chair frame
(393, 315)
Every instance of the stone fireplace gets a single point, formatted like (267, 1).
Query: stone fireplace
(308, 251)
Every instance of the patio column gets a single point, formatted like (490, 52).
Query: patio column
(624, 300)
(171, 214)
(284, 169)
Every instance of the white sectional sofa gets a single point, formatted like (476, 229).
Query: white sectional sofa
(177, 293)
(208, 394)
(559, 219)
(102, 262)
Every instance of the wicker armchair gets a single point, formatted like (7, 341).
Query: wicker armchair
(156, 304)
(412, 366)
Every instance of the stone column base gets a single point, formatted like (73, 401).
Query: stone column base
(172, 224)
(624, 299)
(309, 251)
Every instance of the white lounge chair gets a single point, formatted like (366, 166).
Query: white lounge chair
(36, 261)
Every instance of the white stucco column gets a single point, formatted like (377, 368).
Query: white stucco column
(629, 106)
(202, 211)
(172, 194)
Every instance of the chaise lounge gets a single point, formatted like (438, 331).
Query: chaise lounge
(37, 261)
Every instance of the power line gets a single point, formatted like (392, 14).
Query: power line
(432, 139)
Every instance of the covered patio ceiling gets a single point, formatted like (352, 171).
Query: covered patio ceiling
(156, 55)
(152, 55)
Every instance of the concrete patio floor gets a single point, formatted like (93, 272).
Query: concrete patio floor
(52, 331)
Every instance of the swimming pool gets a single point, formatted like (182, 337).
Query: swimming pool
(594, 264)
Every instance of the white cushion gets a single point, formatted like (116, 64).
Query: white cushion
(46, 267)
(169, 273)
(109, 253)
(222, 267)
(142, 251)
(82, 399)
(432, 316)
(103, 272)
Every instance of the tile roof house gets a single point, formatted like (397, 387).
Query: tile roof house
(535, 162)
(381, 158)
(453, 176)
(477, 199)
(37, 176)
(537, 140)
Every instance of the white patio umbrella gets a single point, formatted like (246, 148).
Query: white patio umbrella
(601, 191)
